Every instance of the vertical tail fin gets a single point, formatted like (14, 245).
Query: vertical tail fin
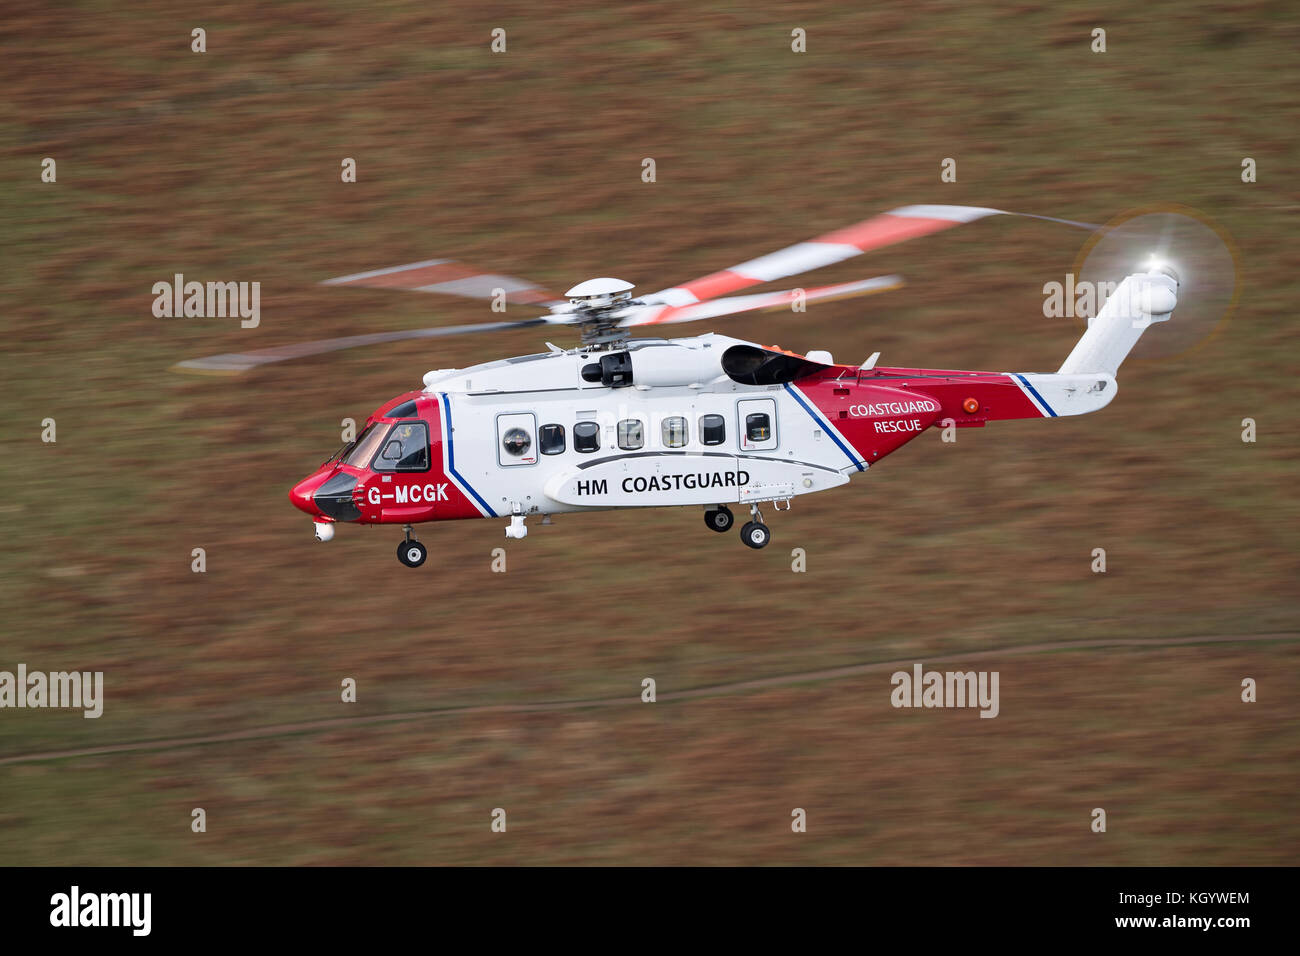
(1140, 300)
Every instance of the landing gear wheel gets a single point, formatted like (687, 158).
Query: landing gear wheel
(755, 534)
(719, 519)
(411, 553)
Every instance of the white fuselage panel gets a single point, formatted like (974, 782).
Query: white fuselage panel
(712, 442)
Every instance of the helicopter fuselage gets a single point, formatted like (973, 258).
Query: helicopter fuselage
(669, 426)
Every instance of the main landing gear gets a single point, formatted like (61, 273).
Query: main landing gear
(754, 533)
(410, 552)
(719, 519)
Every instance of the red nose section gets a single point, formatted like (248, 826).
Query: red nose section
(301, 494)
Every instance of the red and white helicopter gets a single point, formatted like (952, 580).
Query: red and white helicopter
(710, 421)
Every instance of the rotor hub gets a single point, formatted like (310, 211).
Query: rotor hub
(597, 306)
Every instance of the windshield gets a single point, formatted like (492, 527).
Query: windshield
(366, 445)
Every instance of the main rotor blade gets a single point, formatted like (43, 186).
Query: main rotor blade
(664, 314)
(450, 277)
(233, 362)
(897, 225)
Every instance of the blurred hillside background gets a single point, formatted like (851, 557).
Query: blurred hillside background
(225, 165)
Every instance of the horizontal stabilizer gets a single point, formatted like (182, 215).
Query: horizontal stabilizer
(1058, 395)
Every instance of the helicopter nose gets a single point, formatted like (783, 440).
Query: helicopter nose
(334, 497)
(301, 495)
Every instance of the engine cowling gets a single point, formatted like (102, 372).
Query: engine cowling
(652, 366)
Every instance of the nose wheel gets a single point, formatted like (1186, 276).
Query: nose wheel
(410, 552)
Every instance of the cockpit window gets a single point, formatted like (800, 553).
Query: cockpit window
(404, 410)
(343, 450)
(367, 443)
(406, 448)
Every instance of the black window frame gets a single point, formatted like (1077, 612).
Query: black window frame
(542, 446)
(577, 446)
(705, 429)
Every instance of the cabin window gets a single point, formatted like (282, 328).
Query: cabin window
(713, 429)
(516, 441)
(758, 427)
(674, 432)
(405, 449)
(550, 438)
(630, 434)
(516, 437)
(586, 437)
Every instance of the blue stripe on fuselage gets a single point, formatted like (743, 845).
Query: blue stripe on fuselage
(1034, 392)
(451, 459)
(826, 427)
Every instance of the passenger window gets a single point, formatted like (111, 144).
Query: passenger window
(405, 449)
(674, 432)
(713, 429)
(758, 427)
(630, 436)
(516, 442)
(551, 439)
(586, 437)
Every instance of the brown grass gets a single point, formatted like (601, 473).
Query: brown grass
(225, 166)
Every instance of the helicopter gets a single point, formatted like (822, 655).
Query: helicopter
(708, 421)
